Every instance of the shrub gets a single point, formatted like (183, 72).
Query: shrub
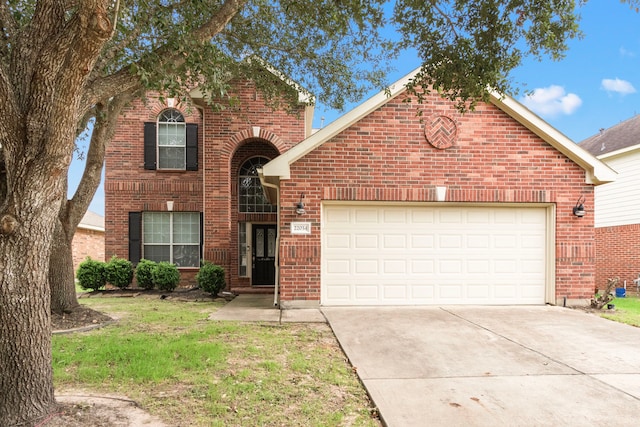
(166, 276)
(210, 277)
(144, 273)
(119, 272)
(91, 274)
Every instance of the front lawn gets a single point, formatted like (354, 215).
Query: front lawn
(190, 371)
(627, 310)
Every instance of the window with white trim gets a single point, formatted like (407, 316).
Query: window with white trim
(172, 140)
(172, 237)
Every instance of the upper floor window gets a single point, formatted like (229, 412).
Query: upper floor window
(172, 140)
(170, 143)
(251, 196)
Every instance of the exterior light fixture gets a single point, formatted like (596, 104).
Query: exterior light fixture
(578, 209)
(300, 206)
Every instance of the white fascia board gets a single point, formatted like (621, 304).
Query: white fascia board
(91, 227)
(596, 171)
(619, 152)
(280, 165)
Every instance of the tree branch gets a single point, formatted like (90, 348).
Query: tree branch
(123, 81)
(106, 119)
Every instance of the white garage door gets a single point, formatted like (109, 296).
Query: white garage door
(417, 255)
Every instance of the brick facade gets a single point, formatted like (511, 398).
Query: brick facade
(385, 157)
(86, 243)
(382, 157)
(617, 250)
(225, 140)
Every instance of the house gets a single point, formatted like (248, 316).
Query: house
(88, 239)
(616, 216)
(395, 203)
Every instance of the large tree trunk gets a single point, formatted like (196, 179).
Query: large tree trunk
(26, 383)
(41, 90)
(61, 274)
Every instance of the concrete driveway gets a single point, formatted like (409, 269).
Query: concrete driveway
(493, 366)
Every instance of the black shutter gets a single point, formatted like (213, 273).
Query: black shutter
(135, 237)
(192, 147)
(150, 145)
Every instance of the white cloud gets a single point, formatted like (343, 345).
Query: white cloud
(622, 87)
(552, 101)
(624, 52)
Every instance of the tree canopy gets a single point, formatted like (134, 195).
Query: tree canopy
(66, 62)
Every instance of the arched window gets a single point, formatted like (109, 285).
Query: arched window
(251, 197)
(172, 140)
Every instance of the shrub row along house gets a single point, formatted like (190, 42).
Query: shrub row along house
(395, 203)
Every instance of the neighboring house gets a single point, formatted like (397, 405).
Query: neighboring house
(384, 206)
(88, 239)
(617, 217)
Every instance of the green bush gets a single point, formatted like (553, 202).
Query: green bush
(166, 276)
(144, 273)
(210, 277)
(119, 272)
(91, 274)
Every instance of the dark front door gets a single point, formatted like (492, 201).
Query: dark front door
(263, 254)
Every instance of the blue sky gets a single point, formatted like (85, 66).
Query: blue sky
(595, 86)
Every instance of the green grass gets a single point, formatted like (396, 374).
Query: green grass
(627, 310)
(191, 371)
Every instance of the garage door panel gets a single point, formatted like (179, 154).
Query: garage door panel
(400, 255)
(422, 266)
(366, 266)
(367, 292)
(395, 241)
(338, 266)
(394, 216)
(395, 266)
(366, 241)
(338, 241)
(364, 216)
(422, 241)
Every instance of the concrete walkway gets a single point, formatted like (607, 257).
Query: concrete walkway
(260, 308)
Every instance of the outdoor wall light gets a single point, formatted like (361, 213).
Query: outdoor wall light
(578, 209)
(300, 206)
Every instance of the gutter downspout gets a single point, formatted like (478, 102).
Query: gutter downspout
(277, 259)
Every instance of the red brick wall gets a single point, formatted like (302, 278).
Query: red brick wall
(87, 243)
(231, 136)
(617, 254)
(385, 157)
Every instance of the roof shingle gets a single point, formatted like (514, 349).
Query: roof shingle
(623, 135)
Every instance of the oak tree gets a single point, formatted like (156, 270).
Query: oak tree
(67, 63)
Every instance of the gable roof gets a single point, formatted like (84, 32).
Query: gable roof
(596, 171)
(92, 221)
(621, 137)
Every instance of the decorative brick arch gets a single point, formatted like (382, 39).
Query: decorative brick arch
(188, 110)
(252, 134)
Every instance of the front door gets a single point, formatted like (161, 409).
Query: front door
(263, 254)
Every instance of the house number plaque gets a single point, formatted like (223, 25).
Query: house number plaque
(300, 228)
